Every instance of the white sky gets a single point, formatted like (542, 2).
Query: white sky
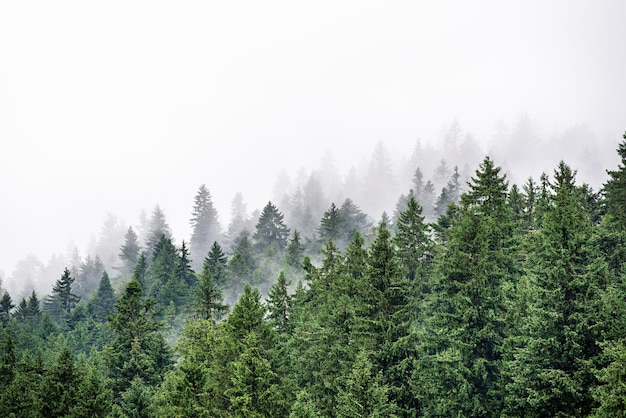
(116, 106)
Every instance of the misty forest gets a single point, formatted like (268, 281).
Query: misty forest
(459, 286)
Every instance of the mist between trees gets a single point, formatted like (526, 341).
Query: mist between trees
(373, 186)
(487, 298)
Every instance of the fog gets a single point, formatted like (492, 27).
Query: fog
(109, 109)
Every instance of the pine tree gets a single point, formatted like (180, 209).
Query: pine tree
(462, 329)
(137, 349)
(204, 224)
(364, 394)
(331, 225)
(271, 234)
(6, 306)
(279, 305)
(208, 300)
(243, 262)
(62, 301)
(353, 220)
(411, 239)
(295, 251)
(551, 369)
(129, 252)
(141, 270)
(102, 304)
(615, 189)
(157, 227)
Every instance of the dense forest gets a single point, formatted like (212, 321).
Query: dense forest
(484, 298)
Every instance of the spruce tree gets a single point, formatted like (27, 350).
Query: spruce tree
(204, 224)
(102, 304)
(551, 368)
(129, 252)
(6, 306)
(462, 327)
(615, 190)
(62, 300)
(208, 299)
(137, 349)
(271, 234)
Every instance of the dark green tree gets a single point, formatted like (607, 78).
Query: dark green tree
(209, 303)
(615, 189)
(62, 300)
(243, 262)
(279, 305)
(6, 306)
(295, 251)
(217, 262)
(102, 304)
(462, 325)
(331, 225)
(137, 348)
(140, 271)
(271, 234)
(551, 368)
(412, 239)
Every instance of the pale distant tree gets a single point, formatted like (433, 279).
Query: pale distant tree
(239, 220)
(157, 227)
(109, 241)
(129, 252)
(380, 187)
(205, 226)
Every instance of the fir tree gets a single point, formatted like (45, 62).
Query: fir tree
(62, 301)
(615, 189)
(129, 252)
(204, 224)
(271, 234)
(6, 306)
(208, 300)
(137, 349)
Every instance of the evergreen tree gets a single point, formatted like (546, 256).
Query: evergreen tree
(364, 394)
(243, 262)
(217, 262)
(157, 227)
(6, 306)
(551, 368)
(102, 304)
(271, 233)
(295, 251)
(137, 349)
(209, 301)
(462, 328)
(412, 240)
(129, 252)
(62, 301)
(279, 305)
(331, 225)
(204, 224)
(353, 220)
(615, 189)
(141, 270)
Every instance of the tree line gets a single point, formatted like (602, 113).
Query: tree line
(511, 302)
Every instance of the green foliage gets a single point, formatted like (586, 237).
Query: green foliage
(6, 306)
(271, 234)
(615, 190)
(137, 349)
(102, 304)
(208, 299)
(62, 301)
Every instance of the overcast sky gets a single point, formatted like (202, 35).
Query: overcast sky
(116, 106)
